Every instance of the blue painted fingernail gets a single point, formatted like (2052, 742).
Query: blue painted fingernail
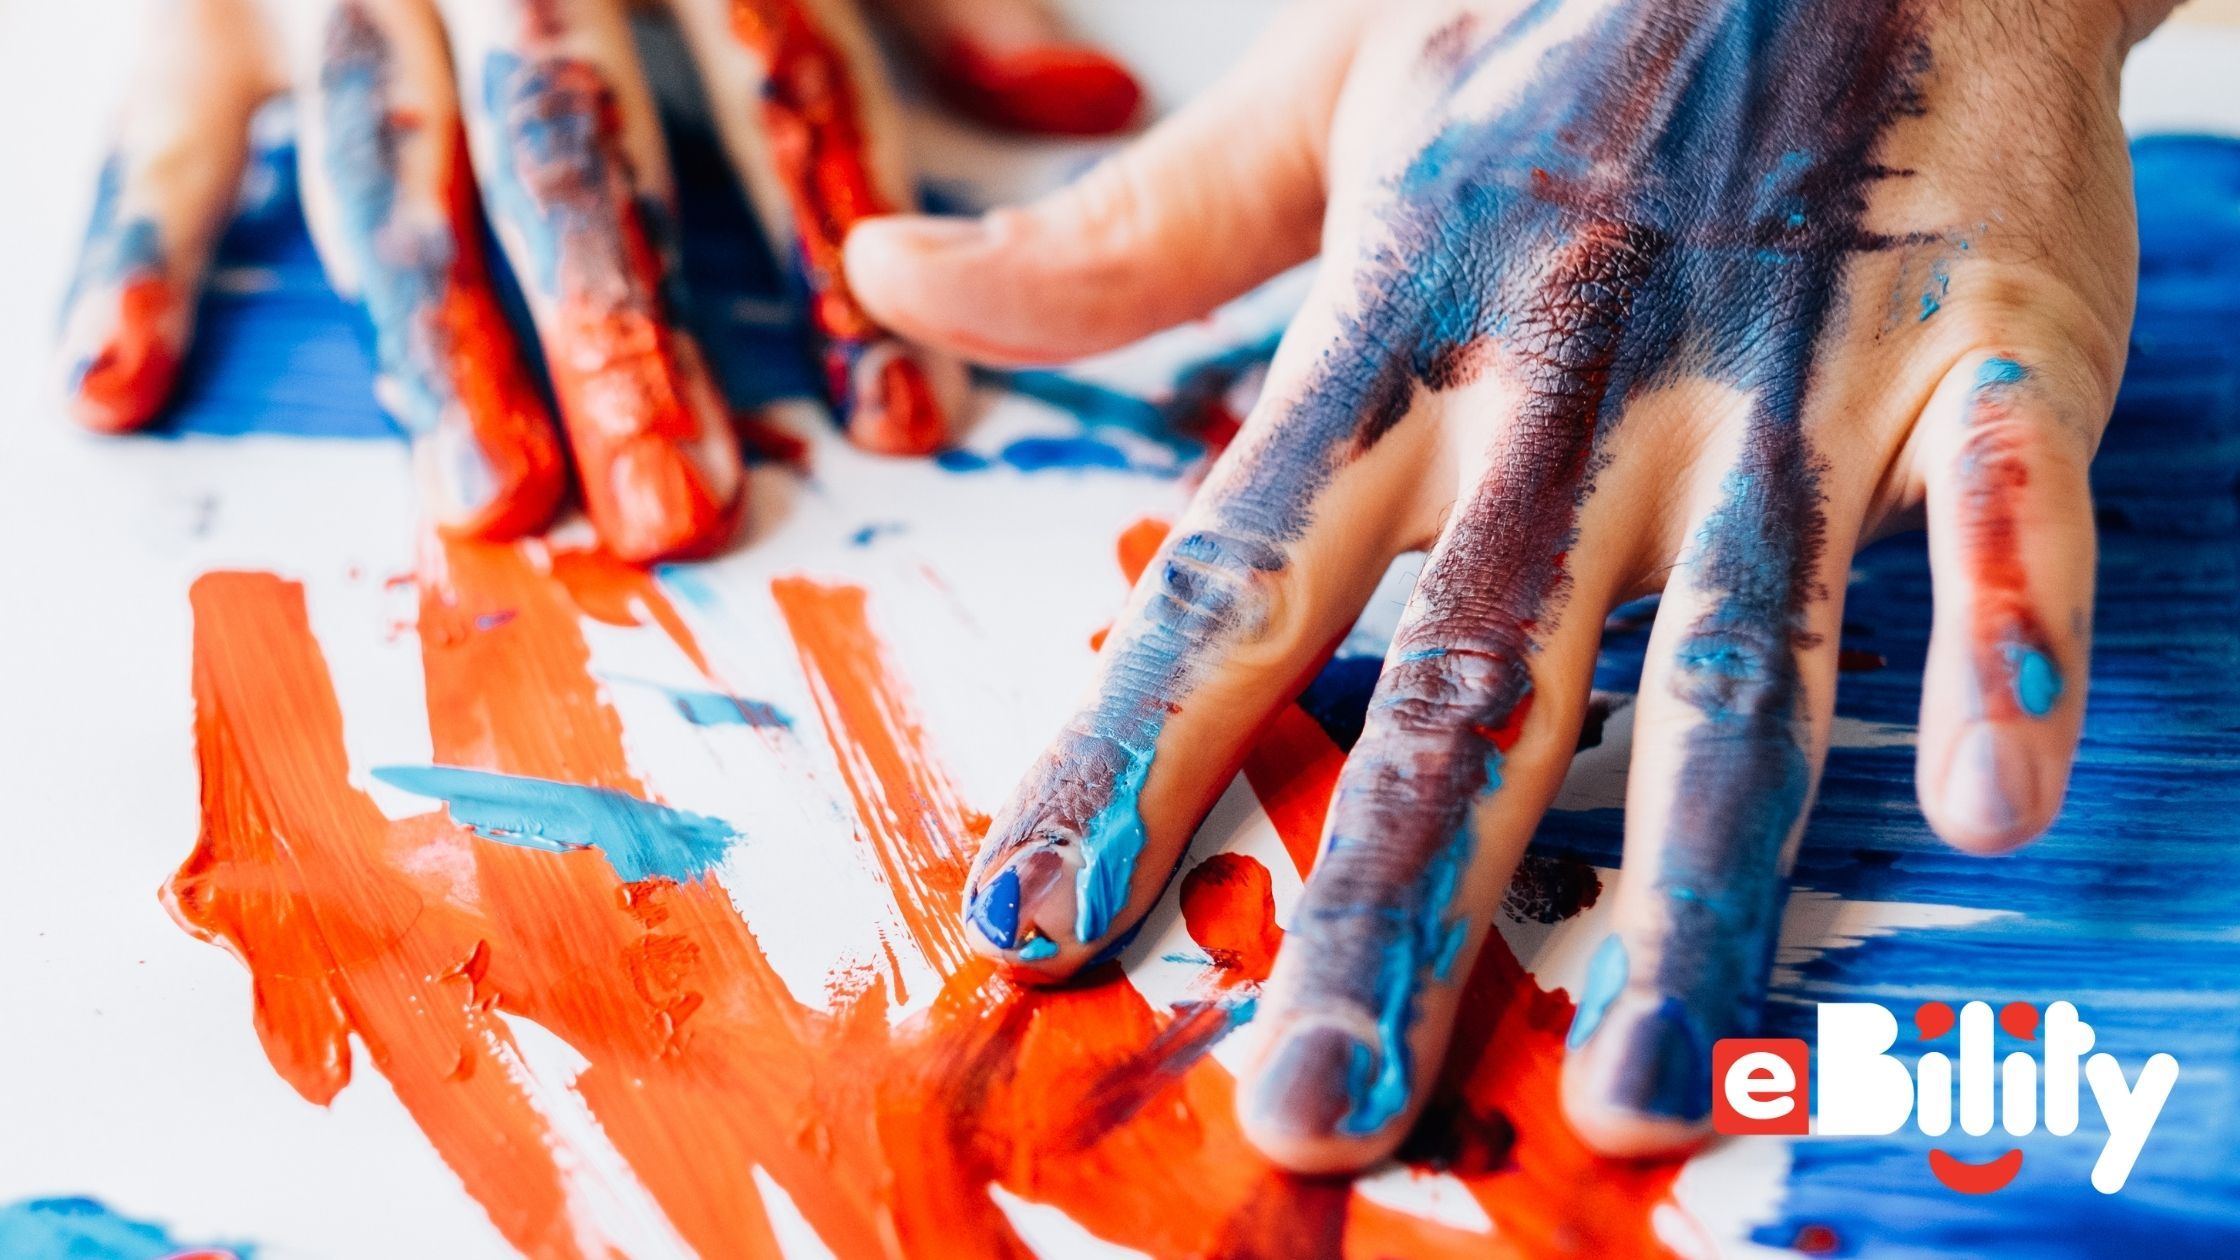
(996, 910)
(1606, 978)
(1666, 1070)
(1306, 1088)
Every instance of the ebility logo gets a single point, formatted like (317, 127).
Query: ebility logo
(1758, 1085)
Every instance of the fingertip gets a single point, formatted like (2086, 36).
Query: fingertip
(1637, 1080)
(905, 270)
(489, 493)
(902, 399)
(1995, 789)
(1299, 1103)
(124, 380)
(1060, 89)
(653, 501)
(1023, 916)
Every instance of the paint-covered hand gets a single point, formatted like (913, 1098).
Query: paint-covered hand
(417, 117)
(1616, 297)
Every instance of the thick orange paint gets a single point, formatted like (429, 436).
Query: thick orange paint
(125, 382)
(425, 942)
(812, 118)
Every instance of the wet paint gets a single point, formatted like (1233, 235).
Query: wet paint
(655, 460)
(641, 839)
(421, 942)
(812, 120)
(1049, 89)
(450, 371)
(124, 292)
(79, 1228)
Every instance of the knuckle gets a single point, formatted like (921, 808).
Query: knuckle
(1218, 585)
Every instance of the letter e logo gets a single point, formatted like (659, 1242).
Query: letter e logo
(1758, 1085)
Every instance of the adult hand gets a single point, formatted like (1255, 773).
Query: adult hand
(1616, 297)
(417, 116)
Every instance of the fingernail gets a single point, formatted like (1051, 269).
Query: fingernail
(1305, 1087)
(1017, 908)
(1666, 1068)
(1990, 787)
(996, 910)
(934, 232)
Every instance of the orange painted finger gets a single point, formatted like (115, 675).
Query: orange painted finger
(568, 152)
(800, 100)
(391, 203)
(164, 198)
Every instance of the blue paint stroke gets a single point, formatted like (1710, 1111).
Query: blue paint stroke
(80, 1228)
(1038, 949)
(641, 840)
(714, 708)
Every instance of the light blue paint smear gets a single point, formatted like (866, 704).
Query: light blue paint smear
(2000, 372)
(2037, 680)
(1425, 942)
(78, 1228)
(1038, 949)
(1606, 978)
(1110, 845)
(642, 840)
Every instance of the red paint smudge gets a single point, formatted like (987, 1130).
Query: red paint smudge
(1052, 89)
(1229, 907)
(813, 122)
(124, 383)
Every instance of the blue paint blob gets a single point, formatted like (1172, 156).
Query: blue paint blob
(1038, 949)
(996, 910)
(1110, 845)
(641, 839)
(80, 1228)
(2037, 680)
(1606, 978)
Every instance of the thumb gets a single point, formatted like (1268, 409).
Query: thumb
(1218, 198)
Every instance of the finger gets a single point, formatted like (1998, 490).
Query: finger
(389, 196)
(164, 198)
(1266, 571)
(1011, 63)
(1222, 196)
(800, 100)
(569, 156)
(1734, 708)
(2012, 547)
(1468, 734)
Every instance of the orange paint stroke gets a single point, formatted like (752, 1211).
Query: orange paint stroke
(425, 943)
(918, 828)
